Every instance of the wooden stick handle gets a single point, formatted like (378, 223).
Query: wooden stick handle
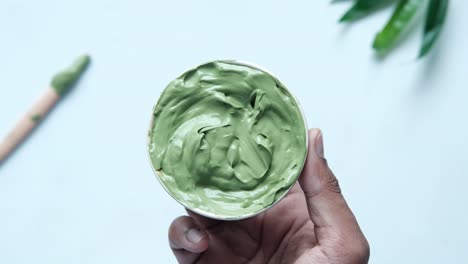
(28, 122)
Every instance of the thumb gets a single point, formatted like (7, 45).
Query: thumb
(327, 207)
(186, 240)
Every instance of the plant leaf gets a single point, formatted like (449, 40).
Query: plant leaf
(361, 9)
(400, 20)
(435, 18)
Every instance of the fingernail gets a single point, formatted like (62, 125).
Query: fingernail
(194, 235)
(319, 145)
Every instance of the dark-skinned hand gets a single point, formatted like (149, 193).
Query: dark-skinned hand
(312, 224)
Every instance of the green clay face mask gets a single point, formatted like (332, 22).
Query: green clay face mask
(227, 140)
(64, 80)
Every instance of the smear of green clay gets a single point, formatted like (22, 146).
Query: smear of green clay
(36, 118)
(64, 80)
(227, 139)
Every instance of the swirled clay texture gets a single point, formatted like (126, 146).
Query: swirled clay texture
(227, 139)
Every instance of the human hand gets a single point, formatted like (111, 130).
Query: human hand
(312, 224)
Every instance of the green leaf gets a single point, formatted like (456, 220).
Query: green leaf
(400, 20)
(435, 18)
(361, 9)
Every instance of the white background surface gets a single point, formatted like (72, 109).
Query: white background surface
(81, 190)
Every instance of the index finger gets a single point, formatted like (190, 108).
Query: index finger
(327, 207)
